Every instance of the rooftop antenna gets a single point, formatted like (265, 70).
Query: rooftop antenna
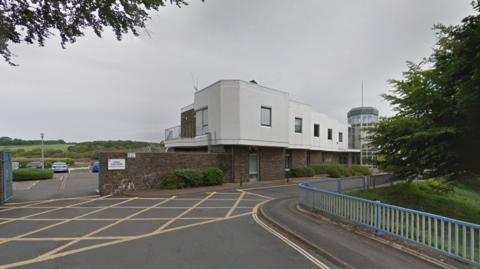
(362, 92)
(193, 82)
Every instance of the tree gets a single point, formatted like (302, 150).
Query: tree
(436, 129)
(33, 20)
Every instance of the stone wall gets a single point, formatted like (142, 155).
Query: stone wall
(272, 163)
(240, 163)
(1, 177)
(147, 169)
(299, 157)
(315, 157)
(188, 123)
(328, 157)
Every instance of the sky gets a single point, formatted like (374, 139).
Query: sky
(317, 51)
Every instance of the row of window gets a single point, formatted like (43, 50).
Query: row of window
(266, 120)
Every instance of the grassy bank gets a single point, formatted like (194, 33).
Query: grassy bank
(32, 147)
(462, 202)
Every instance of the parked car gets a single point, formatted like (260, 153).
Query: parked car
(16, 165)
(59, 167)
(95, 167)
(34, 165)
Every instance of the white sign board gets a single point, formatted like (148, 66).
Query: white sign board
(131, 155)
(116, 164)
(328, 160)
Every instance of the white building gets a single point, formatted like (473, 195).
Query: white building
(246, 118)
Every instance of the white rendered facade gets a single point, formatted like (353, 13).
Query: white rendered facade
(234, 110)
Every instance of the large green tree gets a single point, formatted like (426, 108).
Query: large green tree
(436, 130)
(33, 20)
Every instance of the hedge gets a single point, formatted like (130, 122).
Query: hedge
(319, 168)
(338, 171)
(213, 176)
(303, 172)
(31, 174)
(363, 170)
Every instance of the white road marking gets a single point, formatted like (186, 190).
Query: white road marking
(290, 243)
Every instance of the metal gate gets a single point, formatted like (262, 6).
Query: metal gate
(7, 175)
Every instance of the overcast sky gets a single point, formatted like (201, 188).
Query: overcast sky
(318, 51)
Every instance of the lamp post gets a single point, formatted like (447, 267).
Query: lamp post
(43, 164)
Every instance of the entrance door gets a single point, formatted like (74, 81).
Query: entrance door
(7, 175)
(253, 164)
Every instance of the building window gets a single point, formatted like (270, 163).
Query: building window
(201, 121)
(298, 125)
(316, 130)
(329, 134)
(340, 137)
(266, 116)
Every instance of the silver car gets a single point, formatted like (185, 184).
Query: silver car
(60, 167)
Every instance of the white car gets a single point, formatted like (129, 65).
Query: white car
(60, 167)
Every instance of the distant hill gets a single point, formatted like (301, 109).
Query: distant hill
(7, 141)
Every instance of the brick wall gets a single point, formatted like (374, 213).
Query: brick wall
(241, 163)
(315, 157)
(1, 177)
(299, 157)
(328, 157)
(146, 170)
(188, 123)
(272, 163)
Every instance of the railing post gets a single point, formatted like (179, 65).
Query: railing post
(377, 218)
(340, 186)
(308, 184)
(314, 199)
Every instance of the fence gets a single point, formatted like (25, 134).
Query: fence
(173, 133)
(454, 238)
(376, 180)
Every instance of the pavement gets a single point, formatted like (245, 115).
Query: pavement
(225, 187)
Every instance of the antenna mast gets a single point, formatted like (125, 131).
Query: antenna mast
(362, 92)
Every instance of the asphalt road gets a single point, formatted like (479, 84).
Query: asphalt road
(63, 224)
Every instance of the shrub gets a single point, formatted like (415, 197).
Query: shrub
(213, 176)
(319, 168)
(302, 172)
(363, 170)
(169, 182)
(197, 181)
(186, 173)
(31, 174)
(338, 171)
(181, 185)
(353, 172)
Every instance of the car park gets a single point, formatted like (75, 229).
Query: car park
(59, 167)
(16, 165)
(34, 165)
(95, 167)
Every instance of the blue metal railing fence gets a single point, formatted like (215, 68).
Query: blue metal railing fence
(454, 238)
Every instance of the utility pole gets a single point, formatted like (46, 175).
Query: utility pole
(43, 163)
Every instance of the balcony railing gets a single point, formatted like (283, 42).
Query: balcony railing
(173, 133)
(179, 132)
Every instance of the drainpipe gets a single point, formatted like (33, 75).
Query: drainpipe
(209, 142)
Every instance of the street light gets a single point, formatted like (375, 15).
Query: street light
(42, 151)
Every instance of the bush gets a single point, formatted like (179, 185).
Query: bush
(353, 172)
(169, 182)
(319, 168)
(338, 171)
(362, 170)
(31, 174)
(302, 172)
(196, 181)
(213, 176)
(191, 176)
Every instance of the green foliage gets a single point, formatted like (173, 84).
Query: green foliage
(7, 141)
(435, 130)
(456, 201)
(338, 171)
(181, 185)
(186, 173)
(196, 181)
(353, 172)
(302, 172)
(191, 177)
(319, 168)
(362, 170)
(31, 174)
(225, 167)
(213, 176)
(169, 182)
